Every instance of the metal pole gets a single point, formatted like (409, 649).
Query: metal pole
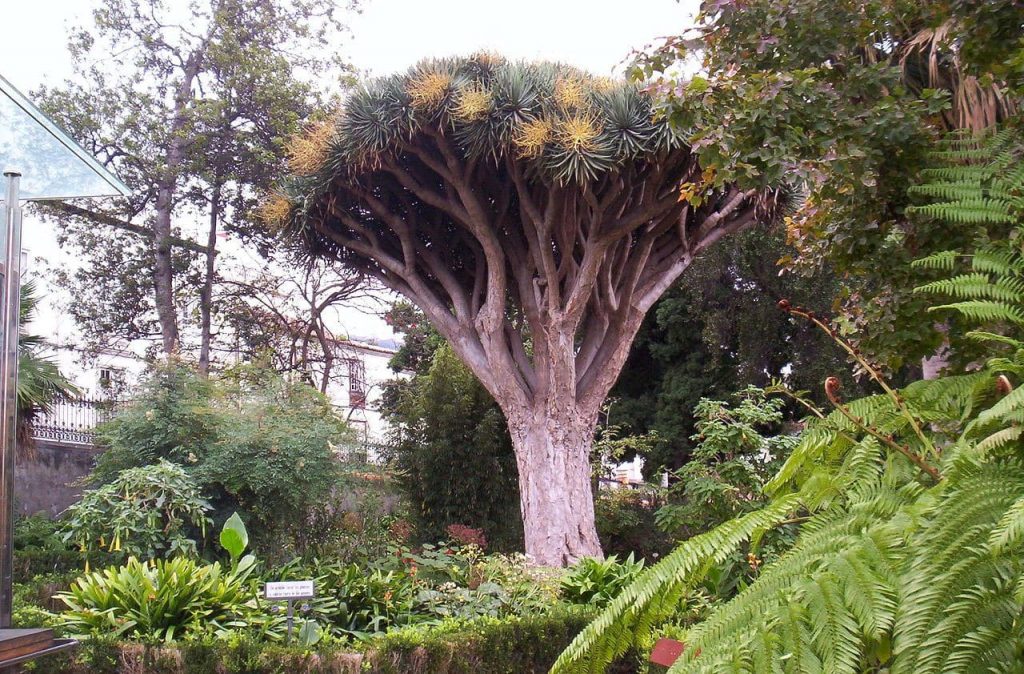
(10, 299)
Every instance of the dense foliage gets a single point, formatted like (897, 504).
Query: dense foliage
(716, 331)
(146, 512)
(453, 455)
(253, 441)
(733, 458)
(844, 98)
(596, 582)
(517, 645)
(161, 598)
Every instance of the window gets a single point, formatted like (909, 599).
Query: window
(356, 383)
(111, 379)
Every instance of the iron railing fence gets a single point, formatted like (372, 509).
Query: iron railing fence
(74, 420)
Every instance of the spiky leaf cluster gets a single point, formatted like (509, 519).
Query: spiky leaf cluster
(567, 125)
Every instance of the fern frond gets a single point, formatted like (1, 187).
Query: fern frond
(943, 260)
(656, 593)
(985, 311)
(1009, 532)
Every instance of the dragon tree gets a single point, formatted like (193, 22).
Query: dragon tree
(534, 213)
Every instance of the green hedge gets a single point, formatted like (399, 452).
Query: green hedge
(514, 645)
(235, 656)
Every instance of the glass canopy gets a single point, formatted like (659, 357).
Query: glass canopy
(51, 164)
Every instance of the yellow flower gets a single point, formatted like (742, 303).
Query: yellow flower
(428, 89)
(570, 93)
(307, 151)
(578, 132)
(274, 211)
(532, 136)
(473, 103)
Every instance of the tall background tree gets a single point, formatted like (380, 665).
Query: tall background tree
(534, 214)
(289, 319)
(189, 104)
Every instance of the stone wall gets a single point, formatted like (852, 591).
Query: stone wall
(45, 482)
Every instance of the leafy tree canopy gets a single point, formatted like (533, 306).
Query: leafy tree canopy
(845, 96)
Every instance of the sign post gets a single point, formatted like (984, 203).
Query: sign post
(290, 591)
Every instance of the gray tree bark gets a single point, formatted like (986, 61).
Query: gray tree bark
(553, 456)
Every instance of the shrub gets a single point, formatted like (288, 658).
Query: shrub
(453, 455)
(464, 535)
(273, 459)
(172, 417)
(597, 581)
(626, 525)
(40, 548)
(145, 512)
(163, 599)
(254, 442)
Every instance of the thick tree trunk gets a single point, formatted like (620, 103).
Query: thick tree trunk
(553, 456)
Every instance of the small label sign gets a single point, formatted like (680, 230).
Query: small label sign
(290, 589)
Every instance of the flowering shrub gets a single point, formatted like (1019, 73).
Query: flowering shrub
(145, 512)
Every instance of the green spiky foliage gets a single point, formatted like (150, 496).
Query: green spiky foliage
(911, 555)
(534, 213)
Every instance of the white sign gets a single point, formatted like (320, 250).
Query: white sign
(291, 589)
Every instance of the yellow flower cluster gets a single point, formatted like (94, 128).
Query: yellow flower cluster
(428, 89)
(473, 102)
(578, 132)
(307, 151)
(274, 211)
(570, 94)
(531, 137)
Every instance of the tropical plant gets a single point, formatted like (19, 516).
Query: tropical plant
(598, 581)
(909, 556)
(145, 512)
(273, 458)
(366, 601)
(164, 599)
(534, 213)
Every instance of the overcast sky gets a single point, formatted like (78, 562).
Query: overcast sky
(388, 35)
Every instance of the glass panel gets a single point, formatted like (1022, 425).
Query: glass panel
(51, 164)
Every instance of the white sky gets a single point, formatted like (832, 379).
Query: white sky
(388, 35)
